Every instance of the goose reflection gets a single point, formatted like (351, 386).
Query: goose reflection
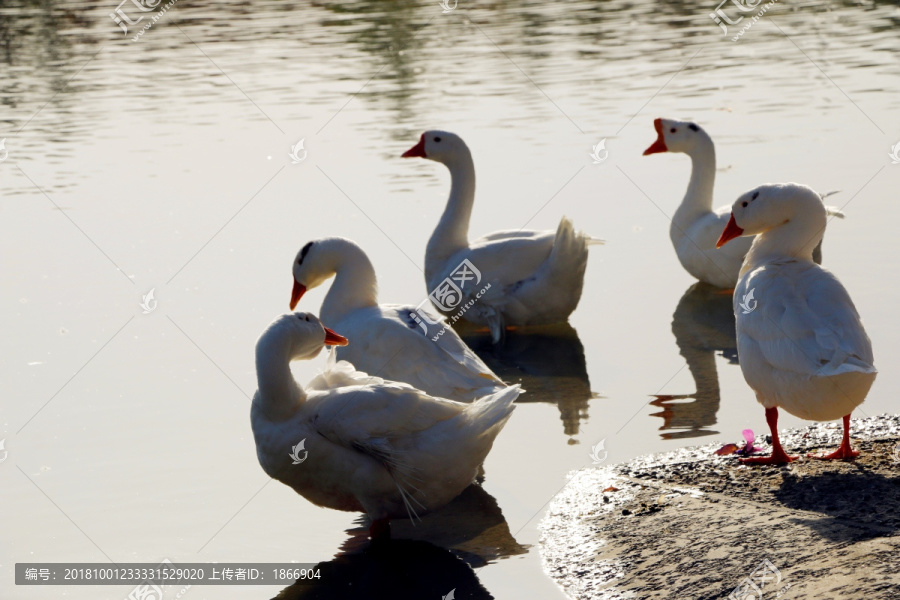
(427, 560)
(548, 361)
(703, 325)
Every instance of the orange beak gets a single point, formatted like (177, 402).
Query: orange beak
(660, 144)
(297, 293)
(418, 150)
(334, 339)
(731, 231)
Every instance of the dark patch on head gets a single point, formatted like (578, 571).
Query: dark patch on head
(303, 252)
(755, 196)
(693, 127)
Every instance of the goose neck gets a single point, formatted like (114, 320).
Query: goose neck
(355, 285)
(452, 232)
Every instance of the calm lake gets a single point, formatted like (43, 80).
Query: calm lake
(163, 164)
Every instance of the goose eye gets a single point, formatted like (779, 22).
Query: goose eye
(755, 196)
(744, 204)
(673, 130)
(437, 139)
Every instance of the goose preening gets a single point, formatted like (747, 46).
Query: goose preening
(801, 343)
(524, 277)
(352, 442)
(695, 225)
(396, 342)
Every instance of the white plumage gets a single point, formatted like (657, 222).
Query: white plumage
(534, 277)
(375, 446)
(397, 342)
(801, 343)
(695, 225)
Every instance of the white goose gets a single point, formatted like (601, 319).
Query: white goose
(801, 343)
(358, 443)
(695, 225)
(397, 342)
(524, 277)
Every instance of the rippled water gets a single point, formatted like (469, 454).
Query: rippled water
(163, 164)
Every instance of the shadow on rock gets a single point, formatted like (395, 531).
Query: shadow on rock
(863, 503)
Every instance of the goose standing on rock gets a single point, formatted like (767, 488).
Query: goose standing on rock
(397, 342)
(523, 277)
(695, 225)
(353, 442)
(801, 343)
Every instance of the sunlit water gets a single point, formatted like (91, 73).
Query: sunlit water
(128, 434)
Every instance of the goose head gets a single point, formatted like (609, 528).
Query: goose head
(440, 146)
(311, 269)
(303, 335)
(677, 136)
(769, 207)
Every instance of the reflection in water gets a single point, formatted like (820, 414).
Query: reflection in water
(547, 360)
(703, 324)
(425, 560)
(397, 569)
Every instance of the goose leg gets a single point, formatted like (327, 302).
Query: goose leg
(779, 456)
(845, 452)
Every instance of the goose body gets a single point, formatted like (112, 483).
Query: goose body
(696, 225)
(398, 342)
(369, 445)
(522, 277)
(801, 343)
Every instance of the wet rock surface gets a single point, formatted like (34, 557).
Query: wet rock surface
(692, 525)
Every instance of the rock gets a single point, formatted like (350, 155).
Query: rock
(706, 525)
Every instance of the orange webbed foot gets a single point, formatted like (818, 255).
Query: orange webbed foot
(778, 457)
(841, 453)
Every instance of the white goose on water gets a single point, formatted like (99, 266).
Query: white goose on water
(352, 442)
(398, 342)
(534, 277)
(801, 343)
(695, 225)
